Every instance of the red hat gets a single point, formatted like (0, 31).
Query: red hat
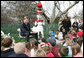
(39, 5)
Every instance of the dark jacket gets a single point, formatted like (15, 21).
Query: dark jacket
(69, 23)
(24, 29)
(18, 55)
(75, 23)
(7, 52)
(66, 24)
(51, 41)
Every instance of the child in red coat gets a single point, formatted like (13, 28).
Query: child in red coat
(80, 33)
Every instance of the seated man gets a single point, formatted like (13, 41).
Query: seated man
(25, 29)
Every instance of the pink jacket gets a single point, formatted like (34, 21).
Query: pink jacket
(78, 55)
(50, 55)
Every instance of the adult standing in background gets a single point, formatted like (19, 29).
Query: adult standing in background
(75, 25)
(80, 25)
(69, 24)
(66, 24)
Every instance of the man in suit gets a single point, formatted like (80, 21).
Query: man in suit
(25, 29)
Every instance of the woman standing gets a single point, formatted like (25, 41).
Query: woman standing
(66, 24)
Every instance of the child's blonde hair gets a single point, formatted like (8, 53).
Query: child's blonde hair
(40, 53)
(68, 42)
(19, 47)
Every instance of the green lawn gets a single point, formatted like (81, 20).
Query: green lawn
(12, 29)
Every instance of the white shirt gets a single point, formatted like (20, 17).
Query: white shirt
(32, 52)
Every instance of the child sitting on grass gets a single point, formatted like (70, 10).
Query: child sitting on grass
(47, 49)
(55, 49)
(70, 35)
(63, 51)
(40, 53)
(52, 34)
(28, 49)
(34, 47)
(44, 42)
(46, 46)
(56, 35)
(68, 42)
(76, 50)
(80, 33)
(60, 37)
(6, 47)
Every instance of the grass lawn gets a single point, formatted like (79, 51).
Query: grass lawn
(12, 29)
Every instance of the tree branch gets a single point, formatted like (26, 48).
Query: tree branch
(59, 15)
(58, 7)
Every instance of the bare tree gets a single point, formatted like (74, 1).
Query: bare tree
(19, 9)
(58, 16)
(16, 10)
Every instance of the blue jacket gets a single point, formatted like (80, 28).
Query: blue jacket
(52, 34)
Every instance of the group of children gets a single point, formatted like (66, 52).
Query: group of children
(58, 44)
(71, 47)
(70, 41)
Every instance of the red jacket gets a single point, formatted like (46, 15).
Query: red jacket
(71, 36)
(80, 34)
(55, 51)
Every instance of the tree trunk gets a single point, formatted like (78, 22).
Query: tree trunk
(53, 12)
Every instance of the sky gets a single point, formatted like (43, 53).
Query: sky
(48, 5)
